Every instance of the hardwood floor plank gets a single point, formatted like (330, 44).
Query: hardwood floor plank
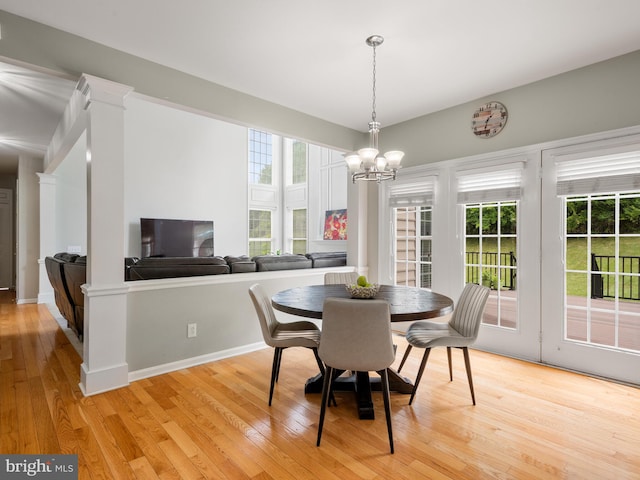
(43, 419)
(116, 461)
(143, 469)
(213, 421)
(28, 441)
(181, 462)
(91, 461)
(9, 413)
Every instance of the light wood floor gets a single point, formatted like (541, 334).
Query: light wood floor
(213, 422)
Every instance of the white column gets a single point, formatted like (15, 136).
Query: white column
(47, 233)
(357, 250)
(104, 364)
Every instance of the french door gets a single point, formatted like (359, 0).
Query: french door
(499, 203)
(590, 288)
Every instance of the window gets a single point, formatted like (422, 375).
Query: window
(413, 246)
(602, 249)
(260, 237)
(299, 231)
(283, 208)
(411, 216)
(490, 257)
(298, 163)
(489, 197)
(295, 195)
(260, 157)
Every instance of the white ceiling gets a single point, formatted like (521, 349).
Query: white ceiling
(312, 56)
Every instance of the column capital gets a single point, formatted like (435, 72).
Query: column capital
(46, 178)
(95, 89)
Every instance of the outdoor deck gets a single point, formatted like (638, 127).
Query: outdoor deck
(603, 327)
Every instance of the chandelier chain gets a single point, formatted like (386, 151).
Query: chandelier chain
(373, 112)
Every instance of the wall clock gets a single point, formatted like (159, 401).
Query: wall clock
(489, 120)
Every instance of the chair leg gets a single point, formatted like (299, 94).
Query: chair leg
(322, 371)
(326, 385)
(279, 350)
(404, 358)
(425, 357)
(467, 365)
(449, 358)
(318, 360)
(277, 353)
(387, 404)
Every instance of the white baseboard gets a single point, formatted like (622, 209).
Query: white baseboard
(23, 301)
(47, 297)
(99, 381)
(192, 362)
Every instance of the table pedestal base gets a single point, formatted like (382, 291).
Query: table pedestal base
(362, 385)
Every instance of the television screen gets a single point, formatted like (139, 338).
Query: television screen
(176, 238)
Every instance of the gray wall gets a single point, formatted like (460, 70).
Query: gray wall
(47, 47)
(159, 312)
(600, 97)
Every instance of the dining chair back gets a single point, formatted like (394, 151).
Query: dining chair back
(460, 332)
(348, 278)
(282, 335)
(467, 316)
(356, 335)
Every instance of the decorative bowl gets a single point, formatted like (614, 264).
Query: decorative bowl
(356, 291)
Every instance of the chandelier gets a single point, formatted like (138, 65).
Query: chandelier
(368, 163)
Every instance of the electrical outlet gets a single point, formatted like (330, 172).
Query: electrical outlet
(192, 330)
(74, 249)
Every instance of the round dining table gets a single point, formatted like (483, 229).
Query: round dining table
(405, 304)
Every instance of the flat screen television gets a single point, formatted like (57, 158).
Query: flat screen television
(162, 237)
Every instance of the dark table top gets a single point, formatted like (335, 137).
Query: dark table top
(406, 303)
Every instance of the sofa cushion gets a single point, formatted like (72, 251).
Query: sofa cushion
(268, 263)
(164, 261)
(241, 264)
(75, 274)
(327, 259)
(150, 268)
(55, 272)
(66, 257)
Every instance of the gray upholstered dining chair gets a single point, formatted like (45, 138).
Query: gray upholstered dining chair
(281, 335)
(460, 332)
(356, 335)
(348, 278)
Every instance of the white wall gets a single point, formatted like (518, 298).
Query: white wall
(71, 200)
(183, 165)
(328, 177)
(28, 224)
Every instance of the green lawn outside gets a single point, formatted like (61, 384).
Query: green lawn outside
(577, 257)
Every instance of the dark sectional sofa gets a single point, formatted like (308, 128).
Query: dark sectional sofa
(68, 271)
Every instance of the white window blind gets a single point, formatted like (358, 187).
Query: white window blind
(609, 173)
(413, 194)
(490, 184)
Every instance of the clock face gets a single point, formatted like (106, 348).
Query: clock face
(489, 120)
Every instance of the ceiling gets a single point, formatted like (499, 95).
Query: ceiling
(312, 56)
